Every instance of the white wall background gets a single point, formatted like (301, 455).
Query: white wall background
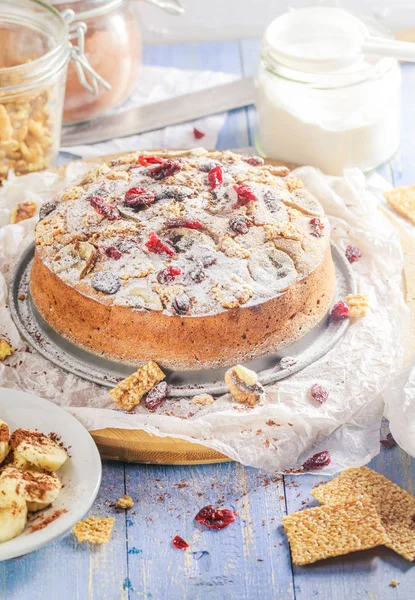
(206, 20)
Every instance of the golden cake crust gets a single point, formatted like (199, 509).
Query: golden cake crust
(240, 309)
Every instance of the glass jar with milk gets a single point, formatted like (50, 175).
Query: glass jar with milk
(320, 99)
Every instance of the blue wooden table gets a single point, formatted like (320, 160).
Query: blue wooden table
(250, 559)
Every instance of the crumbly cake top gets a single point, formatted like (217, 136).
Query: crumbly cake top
(187, 233)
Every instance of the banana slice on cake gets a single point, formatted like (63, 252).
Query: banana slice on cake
(13, 512)
(38, 449)
(270, 266)
(36, 488)
(4, 440)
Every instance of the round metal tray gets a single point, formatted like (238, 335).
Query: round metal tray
(97, 369)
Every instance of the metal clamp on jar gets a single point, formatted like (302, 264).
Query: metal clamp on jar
(113, 47)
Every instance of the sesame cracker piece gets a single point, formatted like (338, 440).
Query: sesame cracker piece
(125, 502)
(128, 393)
(5, 349)
(402, 199)
(333, 530)
(95, 530)
(358, 305)
(395, 506)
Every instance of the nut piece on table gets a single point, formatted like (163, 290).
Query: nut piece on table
(128, 393)
(243, 385)
(23, 211)
(95, 530)
(125, 502)
(358, 305)
(5, 349)
(203, 399)
(4, 440)
(35, 447)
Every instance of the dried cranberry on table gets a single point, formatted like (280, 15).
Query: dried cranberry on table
(317, 227)
(319, 393)
(150, 159)
(179, 542)
(113, 252)
(317, 461)
(183, 222)
(239, 225)
(353, 253)
(245, 195)
(137, 196)
(103, 208)
(389, 442)
(159, 246)
(215, 518)
(198, 134)
(340, 311)
(156, 396)
(168, 274)
(215, 177)
(181, 303)
(167, 169)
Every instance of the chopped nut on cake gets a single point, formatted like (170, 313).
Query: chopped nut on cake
(5, 349)
(128, 393)
(333, 530)
(23, 211)
(358, 305)
(402, 199)
(125, 502)
(95, 530)
(243, 385)
(203, 399)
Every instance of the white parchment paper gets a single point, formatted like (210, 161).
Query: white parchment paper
(289, 427)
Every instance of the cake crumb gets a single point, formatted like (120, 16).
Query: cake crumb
(125, 502)
(394, 583)
(203, 399)
(95, 530)
(128, 393)
(358, 305)
(5, 349)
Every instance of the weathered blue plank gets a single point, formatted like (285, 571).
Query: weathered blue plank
(248, 559)
(72, 571)
(218, 56)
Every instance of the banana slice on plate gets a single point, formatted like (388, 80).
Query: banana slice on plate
(13, 513)
(38, 449)
(36, 488)
(272, 267)
(4, 440)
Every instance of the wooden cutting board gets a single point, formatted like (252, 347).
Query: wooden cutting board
(141, 447)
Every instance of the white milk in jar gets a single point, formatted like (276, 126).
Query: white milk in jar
(331, 114)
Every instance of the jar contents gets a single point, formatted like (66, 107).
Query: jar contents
(113, 47)
(320, 104)
(29, 111)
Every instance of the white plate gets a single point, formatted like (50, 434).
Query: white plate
(80, 475)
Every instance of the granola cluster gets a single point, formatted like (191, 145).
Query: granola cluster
(191, 234)
(27, 140)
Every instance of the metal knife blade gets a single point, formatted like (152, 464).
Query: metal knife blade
(173, 111)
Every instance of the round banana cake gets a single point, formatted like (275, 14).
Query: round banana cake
(193, 259)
